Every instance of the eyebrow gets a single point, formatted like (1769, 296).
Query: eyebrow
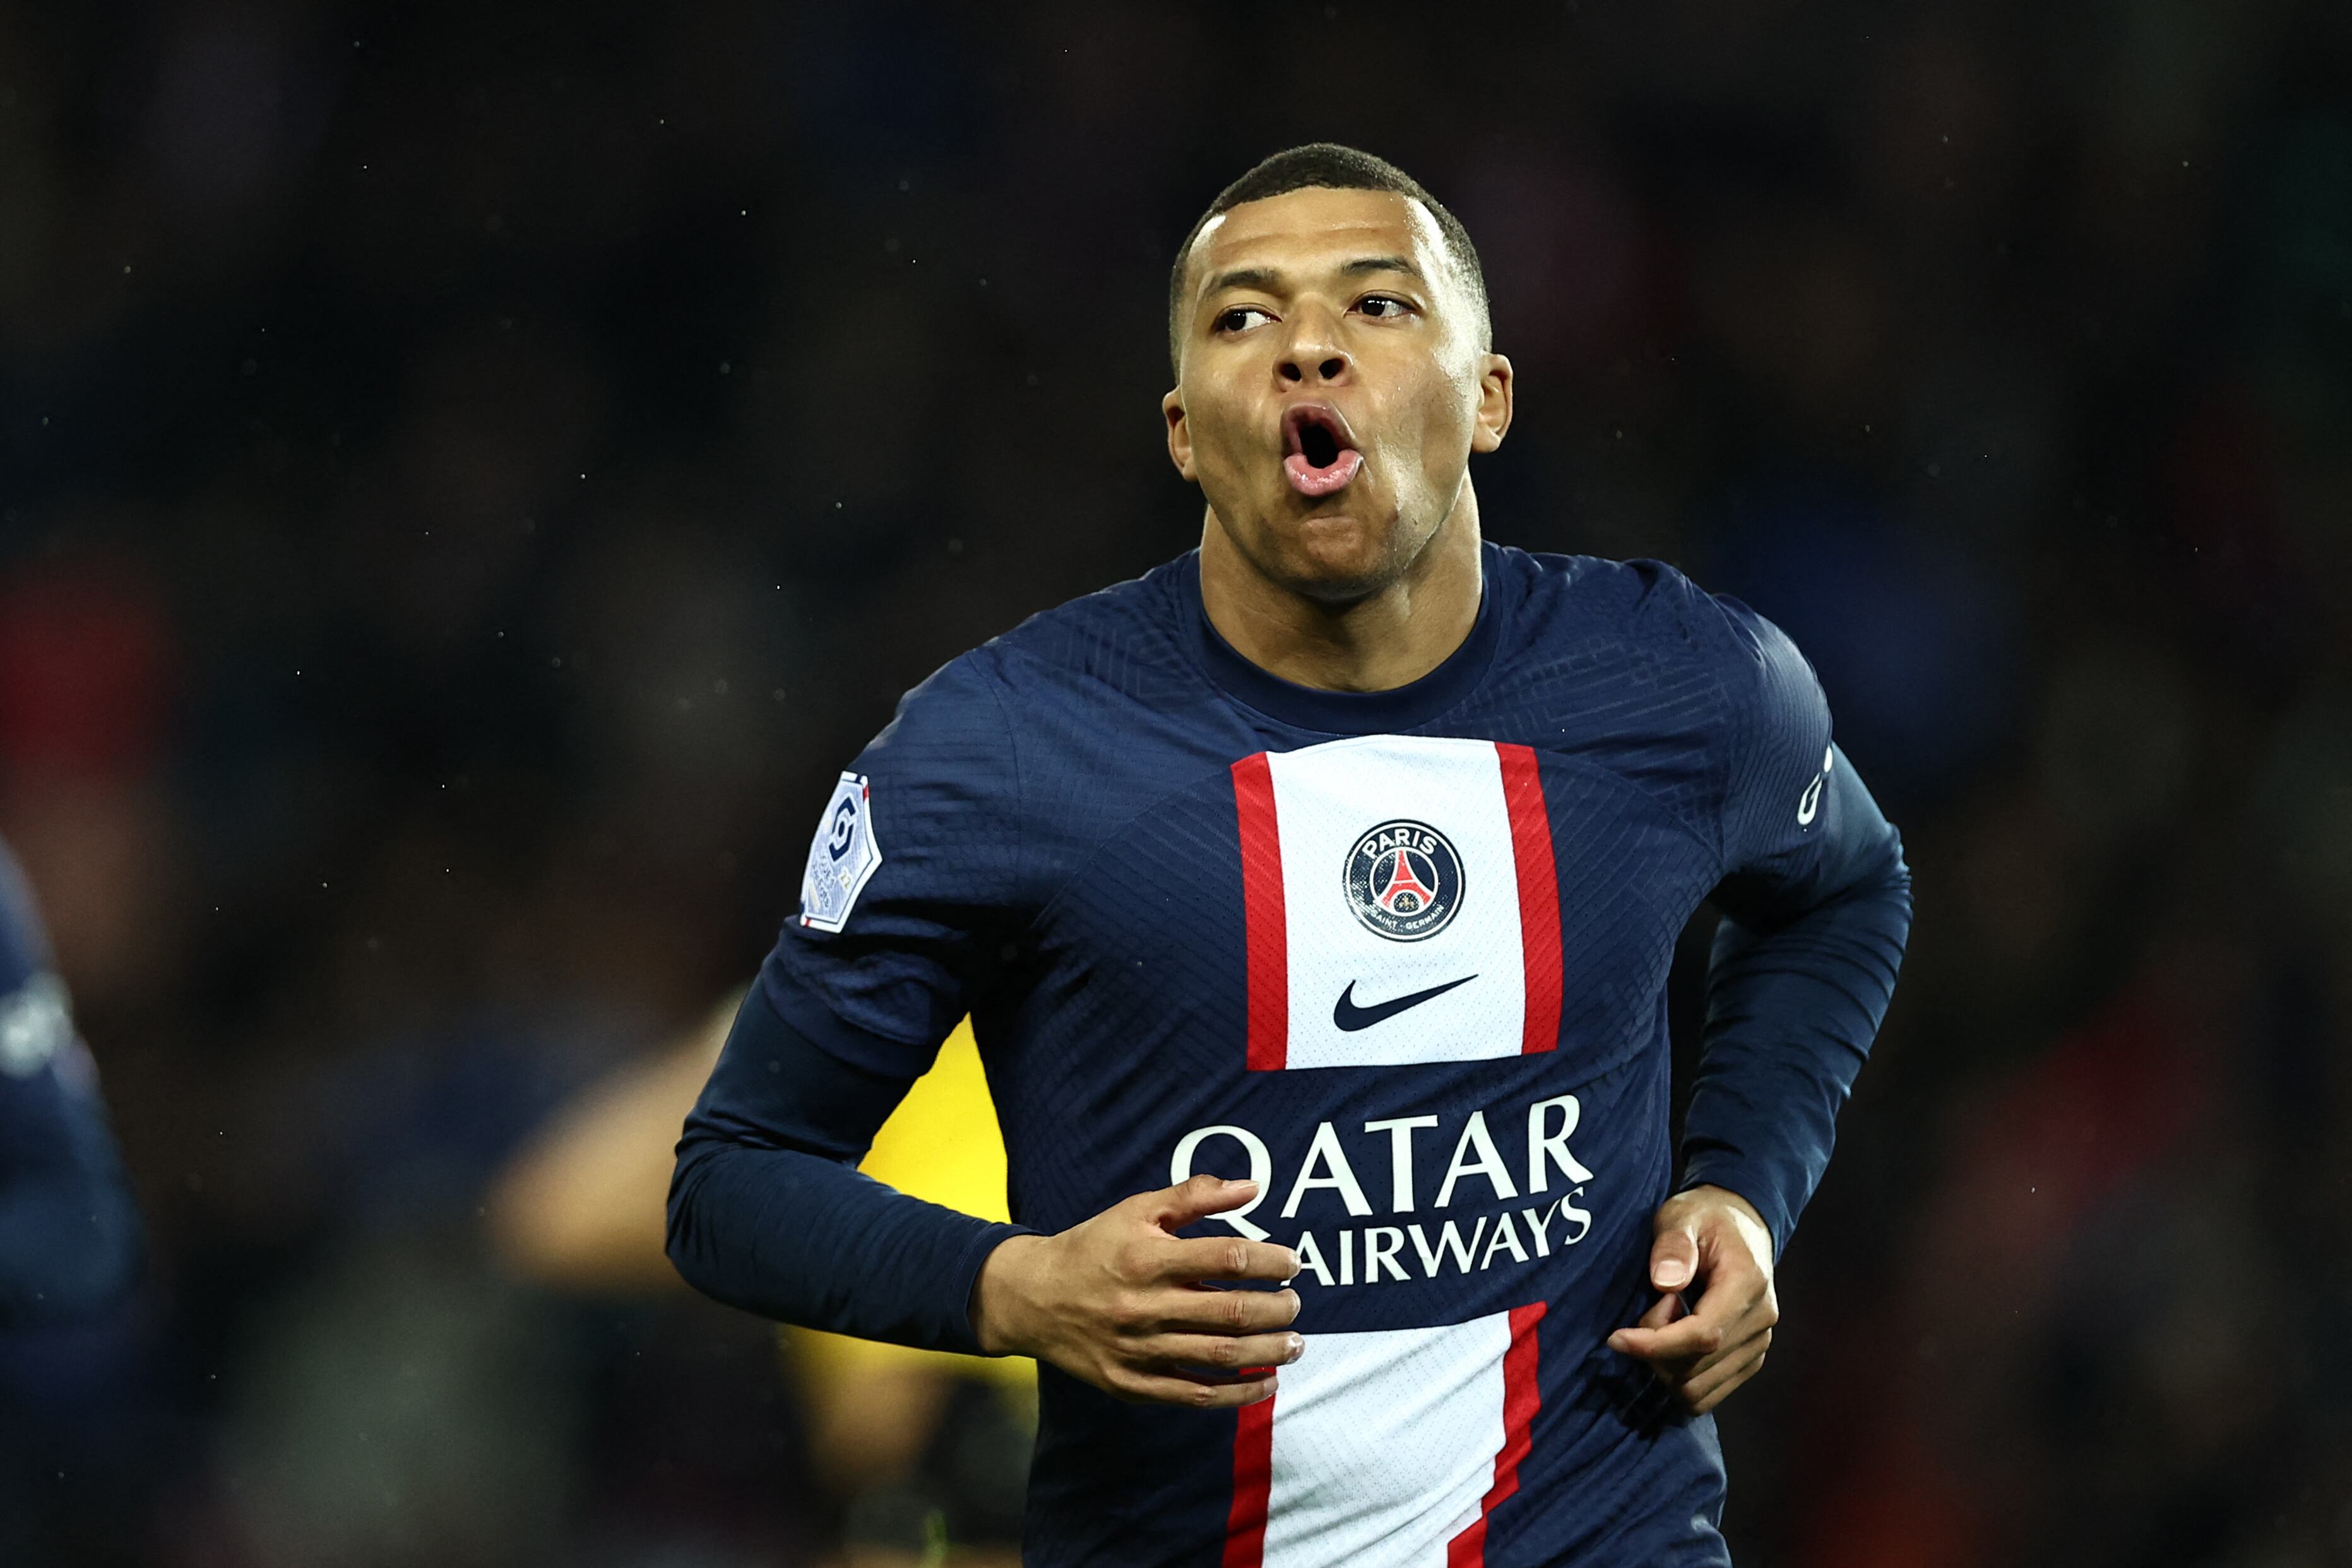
(1264, 278)
(1269, 279)
(1364, 264)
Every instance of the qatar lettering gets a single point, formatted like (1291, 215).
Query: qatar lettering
(1521, 1221)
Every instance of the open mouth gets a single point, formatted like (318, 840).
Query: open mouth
(1322, 458)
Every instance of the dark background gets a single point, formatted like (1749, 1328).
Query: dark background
(471, 475)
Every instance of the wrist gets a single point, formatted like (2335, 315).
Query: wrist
(1713, 1194)
(999, 1306)
(1748, 1217)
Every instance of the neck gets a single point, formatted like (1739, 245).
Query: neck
(1389, 638)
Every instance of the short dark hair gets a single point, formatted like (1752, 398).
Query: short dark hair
(1324, 165)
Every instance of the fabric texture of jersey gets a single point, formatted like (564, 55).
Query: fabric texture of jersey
(1402, 959)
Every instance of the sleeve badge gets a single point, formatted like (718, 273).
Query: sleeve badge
(842, 858)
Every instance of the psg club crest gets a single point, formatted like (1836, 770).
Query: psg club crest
(1405, 880)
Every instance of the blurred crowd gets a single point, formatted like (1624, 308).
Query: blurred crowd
(470, 476)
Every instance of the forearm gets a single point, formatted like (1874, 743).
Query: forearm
(798, 1237)
(768, 1213)
(1792, 1009)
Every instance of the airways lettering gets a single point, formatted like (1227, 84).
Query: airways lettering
(1387, 1258)
(1449, 1240)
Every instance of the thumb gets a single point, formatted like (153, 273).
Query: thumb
(1674, 1255)
(1198, 1198)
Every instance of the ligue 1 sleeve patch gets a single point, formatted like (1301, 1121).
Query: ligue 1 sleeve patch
(842, 858)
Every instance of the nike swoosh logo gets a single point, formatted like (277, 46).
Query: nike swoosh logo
(1350, 1017)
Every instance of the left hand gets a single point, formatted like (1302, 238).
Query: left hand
(1711, 1245)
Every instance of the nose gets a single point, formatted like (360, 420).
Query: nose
(1315, 357)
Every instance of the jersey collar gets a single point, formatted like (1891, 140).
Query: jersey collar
(1346, 712)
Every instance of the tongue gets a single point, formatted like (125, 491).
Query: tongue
(1333, 477)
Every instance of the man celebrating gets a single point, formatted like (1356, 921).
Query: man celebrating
(1313, 897)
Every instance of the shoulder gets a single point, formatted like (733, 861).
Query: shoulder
(950, 723)
(1118, 641)
(1655, 614)
(985, 722)
(1125, 638)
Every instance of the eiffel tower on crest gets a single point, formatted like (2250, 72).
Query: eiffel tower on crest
(1404, 882)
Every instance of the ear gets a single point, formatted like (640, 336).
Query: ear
(1493, 403)
(1180, 435)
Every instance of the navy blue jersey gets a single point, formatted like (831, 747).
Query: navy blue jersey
(1401, 958)
(69, 1232)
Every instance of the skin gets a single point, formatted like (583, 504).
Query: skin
(1708, 1244)
(1123, 1302)
(1348, 299)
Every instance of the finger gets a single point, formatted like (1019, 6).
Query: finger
(1666, 1309)
(1184, 1353)
(1195, 1198)
(1729, 1366)
(1734, 1303)
(1688, 1339)
(1741, 1341)
(1228, 1257)
(1729, 1383)
(1674, 1255)
(1220, 1313)
(1147, 1388)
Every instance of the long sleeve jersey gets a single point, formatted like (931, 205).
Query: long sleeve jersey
(1401, 959)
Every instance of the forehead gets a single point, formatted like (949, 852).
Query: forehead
(1302, 231)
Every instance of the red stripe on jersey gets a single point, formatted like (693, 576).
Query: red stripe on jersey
(1262, 917)
(1252, 1476)
(1521, 1400)
(1538, 894)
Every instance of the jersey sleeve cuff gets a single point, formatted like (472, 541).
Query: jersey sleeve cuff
(1735, 1174)
(961, 1337)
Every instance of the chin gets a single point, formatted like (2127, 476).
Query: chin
(1335, 558)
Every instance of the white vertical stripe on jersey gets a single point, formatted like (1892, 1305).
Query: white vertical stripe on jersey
(1384, 1445)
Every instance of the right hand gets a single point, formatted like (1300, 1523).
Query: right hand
(1123, 1302)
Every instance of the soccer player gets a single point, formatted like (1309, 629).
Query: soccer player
(1313, 897)
(68, 1229)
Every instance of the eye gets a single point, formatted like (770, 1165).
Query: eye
(1241, 318)
(1382, 306)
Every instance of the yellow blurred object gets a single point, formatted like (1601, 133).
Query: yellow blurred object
(941, 1144)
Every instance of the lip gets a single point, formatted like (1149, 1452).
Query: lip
(1306, 477)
